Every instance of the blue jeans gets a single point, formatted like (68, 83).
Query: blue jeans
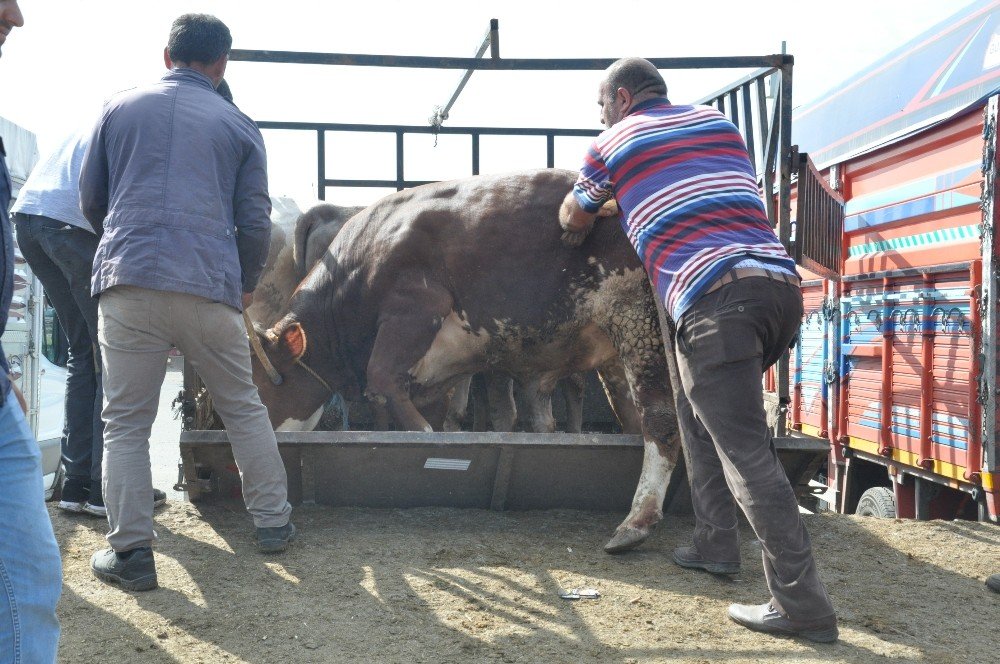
(62, 256)
(30, 569)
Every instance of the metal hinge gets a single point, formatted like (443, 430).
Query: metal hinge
(831, 308)
(830, 373)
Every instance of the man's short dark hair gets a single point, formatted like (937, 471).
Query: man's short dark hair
(200, 38)
(635, 75)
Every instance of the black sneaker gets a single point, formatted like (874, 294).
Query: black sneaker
(993, 583)
(95, 506)
(74, 495)
(132, 570)
(688, 556)
(275, 540)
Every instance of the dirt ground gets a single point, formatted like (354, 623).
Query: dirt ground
(443, 585)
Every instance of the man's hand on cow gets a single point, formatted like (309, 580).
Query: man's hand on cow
(574, 218)
(609, 209)
(247, 299)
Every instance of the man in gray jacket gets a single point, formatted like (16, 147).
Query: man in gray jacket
(175, 183)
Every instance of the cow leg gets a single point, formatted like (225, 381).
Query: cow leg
(480, 404)
(574, 387)
(459, 406)
(382, 421)
(636, 335)
(436, 414)
(500, 401)
(619, 395)
(535, 405)
(407, 329)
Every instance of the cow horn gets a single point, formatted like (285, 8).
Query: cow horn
(258, 350)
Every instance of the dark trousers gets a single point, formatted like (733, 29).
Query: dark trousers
(62, 256)
(723, 344)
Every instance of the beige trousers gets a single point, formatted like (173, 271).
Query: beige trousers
(136, 329)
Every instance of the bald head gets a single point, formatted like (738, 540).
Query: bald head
(628, 82)
(636, 75)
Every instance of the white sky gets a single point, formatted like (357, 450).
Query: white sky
(71, 54)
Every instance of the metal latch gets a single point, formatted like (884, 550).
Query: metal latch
(201, 485)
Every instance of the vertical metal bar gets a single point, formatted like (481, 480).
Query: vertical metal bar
(748, 122)
(785, 157)
(475, 154)
(803, 203)
(927, 330)
(987, 381)
(921, 498)
(501, 481)
(785, 210)
(494, 38)
(762, 115)
(550, 151)
(974, 453)
(321, 164)
(399, 161)
(734, 108)
(843, 363)
(721, 104)
(797, 389)
(771, 161)
(885, 408)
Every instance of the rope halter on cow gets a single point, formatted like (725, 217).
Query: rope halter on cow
(265, 362)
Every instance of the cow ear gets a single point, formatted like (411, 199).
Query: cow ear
(294, 339)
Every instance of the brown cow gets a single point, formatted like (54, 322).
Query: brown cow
(435, 283)
(287, 262)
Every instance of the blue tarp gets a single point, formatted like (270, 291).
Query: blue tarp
(945, 71)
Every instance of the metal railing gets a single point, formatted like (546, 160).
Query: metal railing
(400, 131)
(819, 222)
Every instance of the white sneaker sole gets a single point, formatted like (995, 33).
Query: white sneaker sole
(67, 506)
(95, 510)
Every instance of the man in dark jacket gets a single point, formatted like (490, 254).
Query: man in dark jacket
(175, 182)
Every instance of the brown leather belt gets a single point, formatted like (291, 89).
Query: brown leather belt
(744, 272)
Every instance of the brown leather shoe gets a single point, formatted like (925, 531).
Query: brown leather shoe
(765, 618)
(688, 556)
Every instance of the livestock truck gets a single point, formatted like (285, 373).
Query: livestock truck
(895, 209)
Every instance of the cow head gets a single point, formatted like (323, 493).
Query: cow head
(304, 377)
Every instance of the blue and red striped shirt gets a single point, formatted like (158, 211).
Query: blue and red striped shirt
(688, 195)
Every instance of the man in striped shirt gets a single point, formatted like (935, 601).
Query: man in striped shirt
(691, 207)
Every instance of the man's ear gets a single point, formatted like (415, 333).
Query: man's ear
(166, 58)
(624, 98)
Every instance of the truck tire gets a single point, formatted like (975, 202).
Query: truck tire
(877, 501)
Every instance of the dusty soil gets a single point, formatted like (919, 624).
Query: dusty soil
(441, 585)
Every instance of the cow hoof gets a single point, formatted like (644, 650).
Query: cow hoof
(626, 539)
